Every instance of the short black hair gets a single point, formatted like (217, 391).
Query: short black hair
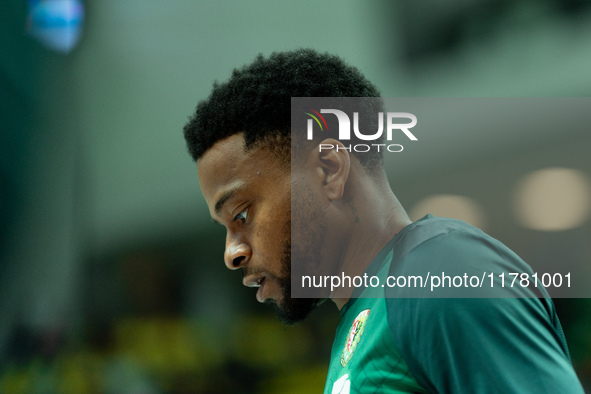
(256, 100)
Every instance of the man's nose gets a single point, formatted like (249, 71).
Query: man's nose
(237, 254)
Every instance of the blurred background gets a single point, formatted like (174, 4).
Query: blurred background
(111, 273)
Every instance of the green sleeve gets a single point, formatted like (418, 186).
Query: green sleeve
(506, 345)
(478, 345)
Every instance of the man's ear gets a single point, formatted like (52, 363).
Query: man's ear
(334, 164)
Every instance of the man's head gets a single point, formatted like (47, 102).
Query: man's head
(240, 137)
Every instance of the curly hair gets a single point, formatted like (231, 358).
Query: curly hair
(256, 100)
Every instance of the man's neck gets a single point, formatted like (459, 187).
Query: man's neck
(378, 217)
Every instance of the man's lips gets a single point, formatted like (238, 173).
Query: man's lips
(260, 296)
(256, 282)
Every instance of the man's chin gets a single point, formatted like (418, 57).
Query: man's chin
(291, 311)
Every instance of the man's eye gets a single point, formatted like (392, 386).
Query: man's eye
(241, 216)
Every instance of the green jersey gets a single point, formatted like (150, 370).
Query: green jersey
(394, 342)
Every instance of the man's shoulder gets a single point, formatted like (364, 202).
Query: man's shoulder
(439, 238)
(436, 249)
(424, 231)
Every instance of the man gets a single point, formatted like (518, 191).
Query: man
(333, 210)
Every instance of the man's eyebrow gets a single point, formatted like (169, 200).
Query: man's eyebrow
(222, 200)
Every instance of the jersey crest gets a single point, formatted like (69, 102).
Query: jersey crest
(354, 336)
